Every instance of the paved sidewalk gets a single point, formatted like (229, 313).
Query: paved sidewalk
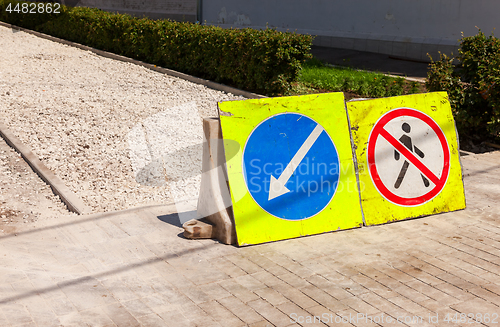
(134, 268)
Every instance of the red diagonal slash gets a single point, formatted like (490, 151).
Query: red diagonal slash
(410, 156)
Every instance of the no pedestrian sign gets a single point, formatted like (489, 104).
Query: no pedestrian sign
(408, 159)
(295, 175)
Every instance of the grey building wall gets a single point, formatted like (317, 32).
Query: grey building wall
(180, 10)
(401, 28)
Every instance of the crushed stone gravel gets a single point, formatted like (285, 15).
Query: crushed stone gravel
(83, 115)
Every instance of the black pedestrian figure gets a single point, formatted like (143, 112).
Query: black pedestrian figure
(406, 140)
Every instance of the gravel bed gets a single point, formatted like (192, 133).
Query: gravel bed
(118, 134)
(24, 197)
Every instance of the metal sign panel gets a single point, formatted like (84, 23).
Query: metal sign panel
(295, 174)
(408, 158)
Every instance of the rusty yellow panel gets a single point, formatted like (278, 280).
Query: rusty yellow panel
(294, 175)
(408, 157)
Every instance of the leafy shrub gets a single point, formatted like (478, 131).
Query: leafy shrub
(473, 85)
(265, 61)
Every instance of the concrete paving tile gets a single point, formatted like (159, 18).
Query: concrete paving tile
(169, 293)
(267, 278)
(243, 263)
(227, 267)
(485, 295)
(136, 285)
(30, 324)
(298, 315)
(137, 308)
(16, 313)
(273, 315)
(3, 319)
(263, 323)
(119, 315)
(346, 283)
(159, 303)
(249, 282)
(241, 310)
(39, 310)
(396, 316)
(355, 318)
(316, 266)
(293, 280)
(118, 290)
(162, 268)
(266, 264)
(175, 319)
(485, 237)
(198, 271)
(479, 233)
(473, 279)
(433, 305)
(382, 319)
(472, 251)
(151, 320)
(329, 287)
(455, 281)
(378, 302)
(323, 315)
(360, 306)
(61, 306)
(214, 291)
(480, 246)
(490, 277)
(323, 298)
(408, 305)
(111, 229)
(397, 274)
(221, 314)
(432, 293)
(195, 294)
(460, 264)
(389, 282)
(238, 291)
(295, 296)
(495, 288)
(418, 273)
(454, 291)
(296, 251)
(197, 316)
(271, 296)
(411, 293)
(134, 223)
(478, 306)
(374, 286)
(96, 317)
(486, 265)
(86, 293)
(289, 264)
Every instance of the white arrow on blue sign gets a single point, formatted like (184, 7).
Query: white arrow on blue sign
(291, 166)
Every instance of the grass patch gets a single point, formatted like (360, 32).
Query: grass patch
(316, 76)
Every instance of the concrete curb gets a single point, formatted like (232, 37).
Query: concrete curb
(72, 201)
(170, 72)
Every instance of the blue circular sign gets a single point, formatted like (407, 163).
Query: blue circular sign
(291, 166)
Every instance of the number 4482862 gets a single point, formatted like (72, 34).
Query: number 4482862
(471, 318)
(34, 8)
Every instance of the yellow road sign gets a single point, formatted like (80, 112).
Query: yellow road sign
(407, 155)
(294, 173)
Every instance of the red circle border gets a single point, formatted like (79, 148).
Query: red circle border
(372, 139)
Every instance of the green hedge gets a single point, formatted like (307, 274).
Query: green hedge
(264, 61)
(473, 85)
